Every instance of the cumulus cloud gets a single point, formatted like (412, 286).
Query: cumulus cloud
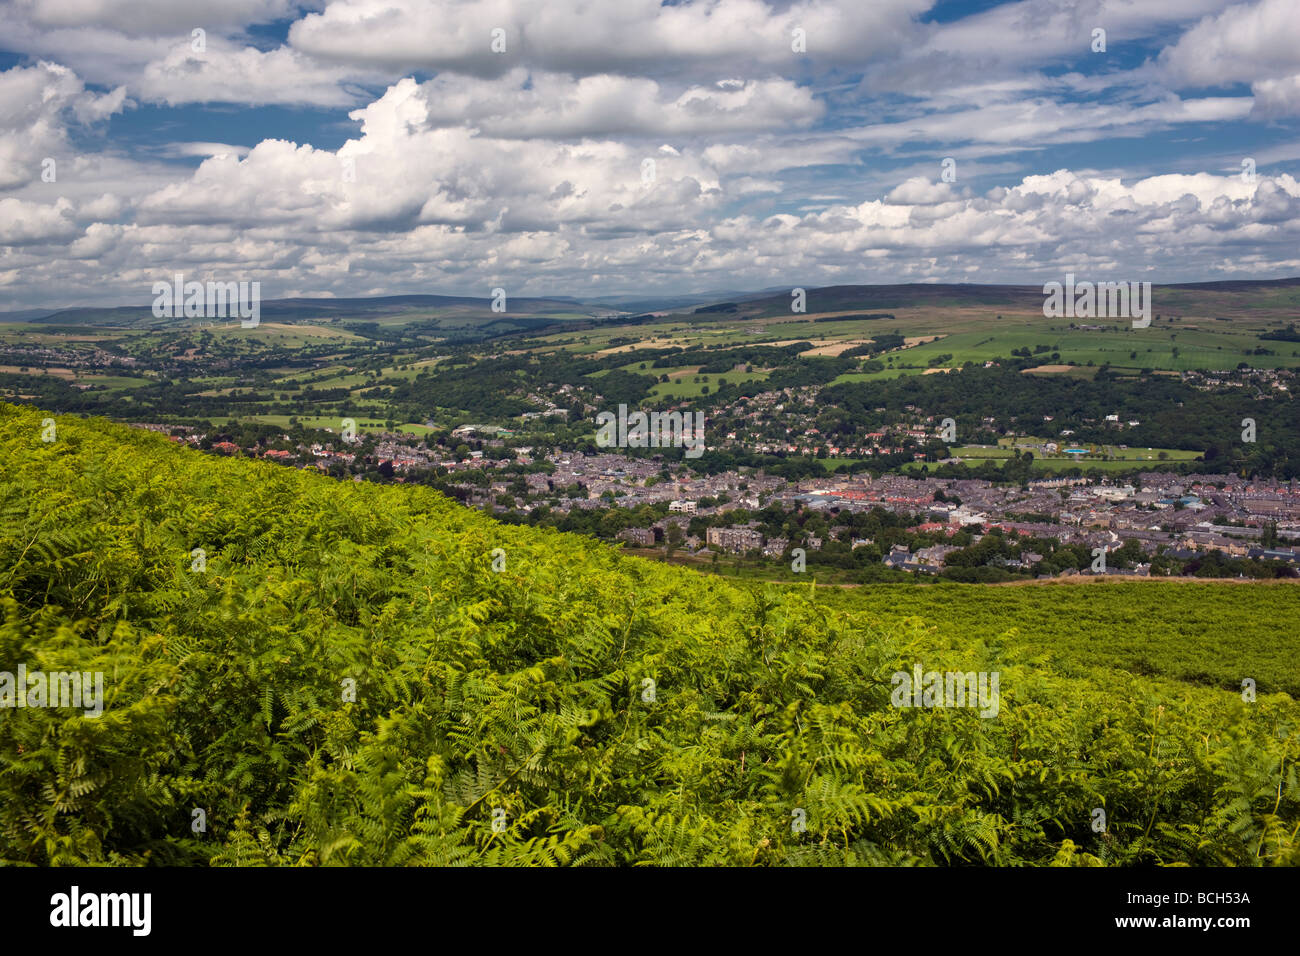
(405, 170)
(1006, 44)
(631, 36)
(179, 51)
(919, 191)
(223, 73)
(36, 105)
(152, 17)
(440, 208)
(22, 222)
(521, 104)
(639, 146)
(1244, 43)
(98, 239)
(1256, 43)
(1276, 98)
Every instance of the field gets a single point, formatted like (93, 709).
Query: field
(364, 425)
(1105, 457)
(974, 335)
(359, 346)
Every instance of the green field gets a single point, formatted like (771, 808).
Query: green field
(980, 335)
(1101, 456)
(1058, 465)
(114, 381)
(334, 422)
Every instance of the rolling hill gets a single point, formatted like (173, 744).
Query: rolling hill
(1263, 299)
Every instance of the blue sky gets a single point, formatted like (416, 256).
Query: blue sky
(367, 147)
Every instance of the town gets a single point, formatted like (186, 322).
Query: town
(906, 520)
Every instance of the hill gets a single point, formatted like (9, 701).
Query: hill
(406, 308)
(1261, 299)
(303, 671)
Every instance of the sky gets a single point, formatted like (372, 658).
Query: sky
(581, 148)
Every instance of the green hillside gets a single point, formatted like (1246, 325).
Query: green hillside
(1200, 632)
(343, 678)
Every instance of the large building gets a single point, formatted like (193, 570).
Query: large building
(639, 537)
(737, 540)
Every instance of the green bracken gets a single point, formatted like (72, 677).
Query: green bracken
(342, 678)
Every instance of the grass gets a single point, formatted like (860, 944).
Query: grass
(335, 422)
(1006, 451)
(115, 381)
(1060, 464)
(686, 387)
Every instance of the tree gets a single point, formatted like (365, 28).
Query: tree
(674, 538)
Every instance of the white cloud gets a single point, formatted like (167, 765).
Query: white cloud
(98, 239)
(919, 191)
(147, 46)
(405, 171)
(444, 209)
(223, 73)
(529, 167)
(526, 105)
(36, 105)
(631, 36)
(1275, 98)
(177, 150)
(1245, 43)
(23, 222)
(1039, 122)
(106, 206)
(152, 17)
(1042, 32)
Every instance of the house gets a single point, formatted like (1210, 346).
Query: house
(639, 537)
(736, 540)
(934, 556)
(898, 556)
(1274, 554)
(1114, 492)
